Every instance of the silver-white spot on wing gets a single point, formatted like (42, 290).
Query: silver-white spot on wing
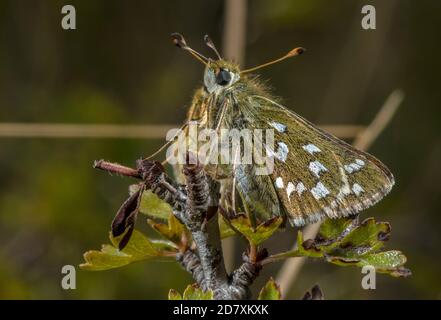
(316, 167)
(279, 182)
(300, 188)
(319, 191)
(278, 126)
(311, 148)
(357, 189)
(290, 188)
(354, 166)
(282, 151)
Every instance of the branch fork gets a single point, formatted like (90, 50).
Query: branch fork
(195, 205)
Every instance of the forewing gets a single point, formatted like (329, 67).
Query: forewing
(315, 174)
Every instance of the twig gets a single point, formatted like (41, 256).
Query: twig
(117, 169)
(104, 131)
(235, 30)
(367, 137)
(189, 260)
(253, 253)
(65, 130)
(291, 268)
(207, 240)
(244, 276)
(196, 208)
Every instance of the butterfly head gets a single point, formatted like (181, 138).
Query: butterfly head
(220, 75)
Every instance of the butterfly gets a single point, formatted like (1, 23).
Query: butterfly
(315, 174)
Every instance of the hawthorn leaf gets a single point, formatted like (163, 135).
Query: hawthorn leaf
(333, 228)
(346, 242)
(174, 295)
(193, 292)
(255, 235)
(138, 248)
(271, 291)
(172, 231)
(225, 230)
(108, 258)
(154, 207)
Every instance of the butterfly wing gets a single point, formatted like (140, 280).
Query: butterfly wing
(315, 174)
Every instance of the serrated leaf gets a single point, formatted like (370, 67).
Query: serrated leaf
(193, 292)
(138, 248)
(271, 291)
(154, 207)
(384, 262)
(353, 241)
(256, 235)
(105, 259)
(174, 295)
(385, 259)
(342, 243)
(369, 233)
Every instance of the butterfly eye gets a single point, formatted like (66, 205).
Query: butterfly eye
(223, 77)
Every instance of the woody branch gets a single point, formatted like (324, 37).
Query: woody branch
(196, 205)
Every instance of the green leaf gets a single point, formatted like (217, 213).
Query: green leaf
(271, 291)
(369, 234)
(138, 248)
(300, 251)
(108, 258)
(257, 235)
(192, 292)
(333, 228)
(384, 260)
(154, 207)
(225, 230)
(164, 245)
(346, 243)
(173, 230)
(174, 295)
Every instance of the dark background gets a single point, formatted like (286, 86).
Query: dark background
(119, 66)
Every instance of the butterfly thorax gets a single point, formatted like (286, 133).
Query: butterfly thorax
(218, 103)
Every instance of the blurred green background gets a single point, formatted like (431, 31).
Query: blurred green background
(119, 67)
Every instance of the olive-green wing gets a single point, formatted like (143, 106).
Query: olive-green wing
(315, 174)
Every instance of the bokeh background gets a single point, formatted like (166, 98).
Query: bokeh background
(119, 67)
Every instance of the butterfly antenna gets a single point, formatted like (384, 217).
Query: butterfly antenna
(168, 143)
(294, 52)
(211, 45)
(179, 41)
